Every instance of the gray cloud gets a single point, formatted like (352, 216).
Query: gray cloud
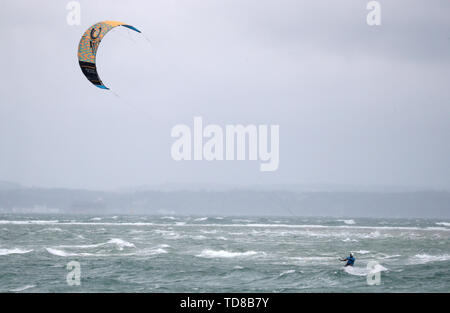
(355, 104)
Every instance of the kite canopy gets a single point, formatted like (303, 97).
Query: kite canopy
(87, 49)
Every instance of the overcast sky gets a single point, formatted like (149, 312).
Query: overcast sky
(356, 104)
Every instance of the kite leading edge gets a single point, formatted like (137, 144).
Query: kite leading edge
(87, 49)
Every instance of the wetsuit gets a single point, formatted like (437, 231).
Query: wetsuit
(350, 261)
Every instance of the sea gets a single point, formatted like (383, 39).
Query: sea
(43, 253)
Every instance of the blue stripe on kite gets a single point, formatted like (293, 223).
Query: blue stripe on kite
(131, 27)
(102, 87)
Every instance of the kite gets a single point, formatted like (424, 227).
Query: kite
(87, 49)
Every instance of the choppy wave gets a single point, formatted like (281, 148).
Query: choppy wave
(51, 229)
(426, 258)
(120, 243)
(348, 222)
(14, 251)
(247, 225)
(198, 237)
(23, 288)
(287, 272)
(208, 253)
(63, 253)
(364, 271)
(201, 219)
(387, 256)
(447, 224)
(29, 222)
(312, 259)
(349, 240)
(362, 252)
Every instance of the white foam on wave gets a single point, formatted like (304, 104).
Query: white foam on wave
(157, 251)
(59, 250)
(208, 231)
(167, 234)
(62, 253)
(287, 272)
(447, 224)
(349, 240)
(348, 222)
(362, 252)
(364, 271)
(201, 219)
(248, 225)
(312, 259)
(120, 243)
(198, 237)
(96, 219)
(32, 222)
(14, 251)
(208, 253)
(22, 288)
(426, 258)
(51, 229)
(387, 256)
(436, 228)
(375, 234)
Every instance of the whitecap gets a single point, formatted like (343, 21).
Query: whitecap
(287, 272)
(362, 252)
(348, 222)
(22, 288)
(32, 222)
(208, 231)
(208, 253)
(198, 237)
(349, 240)
(387, 256)
(201, 219)
(14, 251)
(51, 229)
(58, 252)
(364, 271)
(120, 243)
(447, 224)
(426, 258)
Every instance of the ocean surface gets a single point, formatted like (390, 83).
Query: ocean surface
(221, 254)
